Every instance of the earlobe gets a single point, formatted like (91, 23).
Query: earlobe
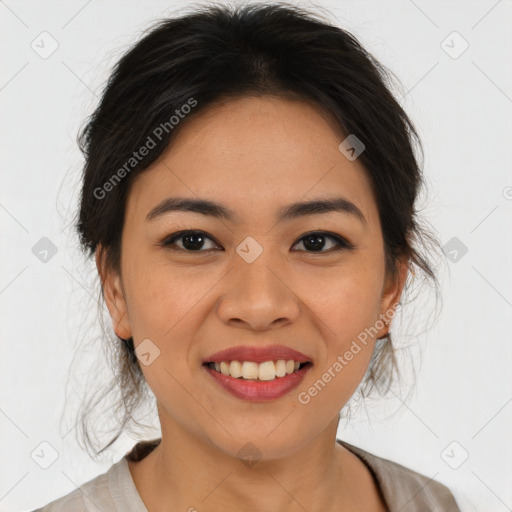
(113, 294)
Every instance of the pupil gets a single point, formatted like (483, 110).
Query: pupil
(314, 242)
(196, 241)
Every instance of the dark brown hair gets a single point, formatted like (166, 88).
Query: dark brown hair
(217, 53)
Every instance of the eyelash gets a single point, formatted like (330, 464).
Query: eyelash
(168, 241)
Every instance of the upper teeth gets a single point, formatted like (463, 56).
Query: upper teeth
(263, 371)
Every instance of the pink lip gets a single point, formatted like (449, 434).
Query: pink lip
(257, 354)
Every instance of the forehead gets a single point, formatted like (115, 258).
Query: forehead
(253, 154)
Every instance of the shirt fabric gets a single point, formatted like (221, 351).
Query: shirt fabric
(403, 489)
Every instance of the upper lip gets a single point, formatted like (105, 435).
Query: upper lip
(257, 354)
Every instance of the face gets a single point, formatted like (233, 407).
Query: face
(312, 281)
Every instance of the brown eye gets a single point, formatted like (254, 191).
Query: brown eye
(194, 241)
(317, 241)
(191, 241)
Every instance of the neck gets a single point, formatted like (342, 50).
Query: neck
(193, 474)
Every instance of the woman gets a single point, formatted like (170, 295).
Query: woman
(249, 196)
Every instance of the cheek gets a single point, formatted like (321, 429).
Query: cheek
(161, 308)
(348, 301)
(160, 296)
(347, 307)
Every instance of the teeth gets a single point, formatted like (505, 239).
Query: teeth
(235, 369)
(267, 371)
(281, 368)
(250, 370)
(224, 368)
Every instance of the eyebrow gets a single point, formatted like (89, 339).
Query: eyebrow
(292, 211)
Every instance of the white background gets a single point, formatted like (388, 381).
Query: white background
(462, 108)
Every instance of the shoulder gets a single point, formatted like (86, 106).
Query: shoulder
(109, 492)
(404, 489)
(91, 495)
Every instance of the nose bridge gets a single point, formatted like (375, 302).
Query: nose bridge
(256, 293)
(256, 268)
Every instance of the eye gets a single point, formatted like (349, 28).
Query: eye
(193, 241)
(316, 241)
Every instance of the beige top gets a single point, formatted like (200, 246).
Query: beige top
(403, 489)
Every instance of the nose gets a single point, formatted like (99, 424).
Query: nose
(256, 296)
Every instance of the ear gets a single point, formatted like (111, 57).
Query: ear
(113, 294)
(391, 293)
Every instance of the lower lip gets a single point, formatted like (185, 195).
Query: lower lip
(257, 390)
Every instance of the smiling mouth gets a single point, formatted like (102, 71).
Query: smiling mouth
(252, 371)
